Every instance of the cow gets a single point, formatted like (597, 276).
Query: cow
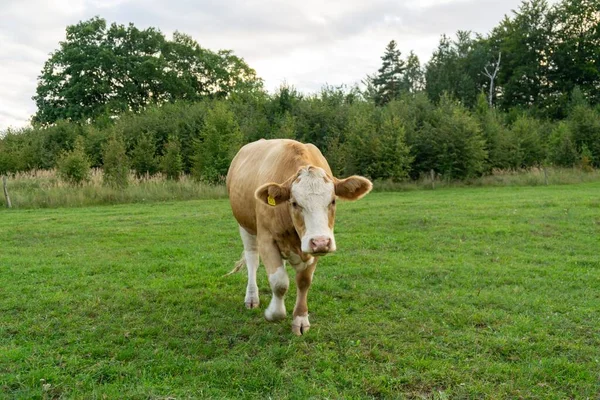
(283, 196)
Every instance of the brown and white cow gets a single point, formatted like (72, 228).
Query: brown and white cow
(283, 196)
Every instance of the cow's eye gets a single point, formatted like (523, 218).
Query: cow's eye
(333, 202)
(294, 204)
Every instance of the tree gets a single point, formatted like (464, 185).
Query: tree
(562, 151)
(171, 162)
(220, 140)
(413, 79)
(455, 68)
(584, 122)
(376, 145)
(449, 142)
(525, 43)
(526, 139)
(106, 71)
(492, 73)
(388, 81)
(575, 51)
(116, 164)
(143, 156)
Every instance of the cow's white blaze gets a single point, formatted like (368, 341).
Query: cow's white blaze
(313, 191)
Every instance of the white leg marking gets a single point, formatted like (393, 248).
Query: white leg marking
(279, 285)
(252, 260)
(300, 325)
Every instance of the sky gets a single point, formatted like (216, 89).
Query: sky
(306, 43)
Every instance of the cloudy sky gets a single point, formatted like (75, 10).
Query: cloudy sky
(305, 43)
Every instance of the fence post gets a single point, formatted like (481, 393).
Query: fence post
(8, 204)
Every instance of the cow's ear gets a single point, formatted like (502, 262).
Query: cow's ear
(353, 187)
(273, 194)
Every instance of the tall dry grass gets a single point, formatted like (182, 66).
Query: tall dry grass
(43, 188)
(528, 177)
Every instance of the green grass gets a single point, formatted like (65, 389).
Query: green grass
(457, 293)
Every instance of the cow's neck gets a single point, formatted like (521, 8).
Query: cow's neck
(289, 244)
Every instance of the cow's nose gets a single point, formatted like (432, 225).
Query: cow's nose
(320, 244)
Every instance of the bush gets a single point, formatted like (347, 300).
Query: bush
(116, 164)
(74, 166)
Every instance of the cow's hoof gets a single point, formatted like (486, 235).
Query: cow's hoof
(276, 310)
(274, 316)
(300, 325)
(252, 304)
(252, 301)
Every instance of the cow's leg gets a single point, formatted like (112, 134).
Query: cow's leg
(251, 257)
(278, 278)
(300, 324)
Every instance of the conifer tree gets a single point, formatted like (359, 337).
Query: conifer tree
(388, 81)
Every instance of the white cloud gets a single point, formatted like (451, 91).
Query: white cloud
(306, 43)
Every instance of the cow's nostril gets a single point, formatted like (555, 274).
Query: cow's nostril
(320, 244)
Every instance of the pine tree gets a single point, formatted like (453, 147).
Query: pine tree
(171, 163)
(388, 81)
(143, 160)
(221, 138)
(116, 164)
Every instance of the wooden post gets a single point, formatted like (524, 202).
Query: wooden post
(432, 173)
(8, 204)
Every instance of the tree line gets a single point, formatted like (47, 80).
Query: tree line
(119, 98)
(404, 138)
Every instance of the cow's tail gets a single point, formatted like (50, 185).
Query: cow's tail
(238, 265)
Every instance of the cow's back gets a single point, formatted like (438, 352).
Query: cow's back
(262, 162)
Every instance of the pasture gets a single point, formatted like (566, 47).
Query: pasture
(454, 293)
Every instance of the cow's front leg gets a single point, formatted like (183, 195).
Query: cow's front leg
(278, 279)
(300, 324)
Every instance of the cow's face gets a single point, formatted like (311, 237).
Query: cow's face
(311, 200)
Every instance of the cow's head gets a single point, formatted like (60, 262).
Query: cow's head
(311, 195)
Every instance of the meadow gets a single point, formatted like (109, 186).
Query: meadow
(485, 292)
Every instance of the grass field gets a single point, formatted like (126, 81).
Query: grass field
(457, 293)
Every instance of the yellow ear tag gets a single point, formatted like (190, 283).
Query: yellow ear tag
(271, 201)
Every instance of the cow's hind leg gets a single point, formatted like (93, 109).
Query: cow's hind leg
(252, 260)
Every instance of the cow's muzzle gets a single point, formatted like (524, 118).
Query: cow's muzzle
(320, 245)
